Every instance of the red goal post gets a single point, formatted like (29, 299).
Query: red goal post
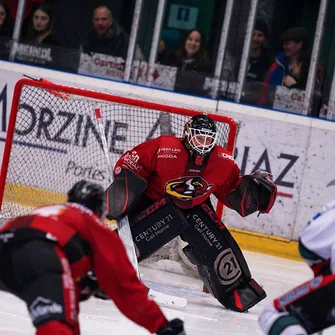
(53, 139)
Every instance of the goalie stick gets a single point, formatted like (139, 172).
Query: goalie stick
(125, 233)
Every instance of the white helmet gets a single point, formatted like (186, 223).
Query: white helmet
(200, 135)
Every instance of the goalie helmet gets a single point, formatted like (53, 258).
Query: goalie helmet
(199, 137)
(90, 195)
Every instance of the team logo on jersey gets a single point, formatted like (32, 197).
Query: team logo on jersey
(186, 188)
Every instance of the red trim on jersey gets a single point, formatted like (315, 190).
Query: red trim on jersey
(127, 193)
(71, 303)
(242, 202)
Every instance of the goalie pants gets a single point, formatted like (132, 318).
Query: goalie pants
(38, 272)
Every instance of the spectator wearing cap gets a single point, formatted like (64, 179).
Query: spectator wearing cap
(290, 68)
(288, 64)
(259, 59)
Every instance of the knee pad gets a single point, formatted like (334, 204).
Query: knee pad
(55, 328)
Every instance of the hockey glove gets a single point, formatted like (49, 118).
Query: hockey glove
(91, 287)
(255, 192)
(267, 190)
(174, 327)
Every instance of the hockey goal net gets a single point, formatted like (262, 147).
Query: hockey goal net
(53, 140)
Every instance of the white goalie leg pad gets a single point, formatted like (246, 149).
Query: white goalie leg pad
(268, 318)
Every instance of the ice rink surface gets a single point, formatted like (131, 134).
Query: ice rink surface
(202, 315)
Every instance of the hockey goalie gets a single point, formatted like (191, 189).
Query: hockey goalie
(164, 186)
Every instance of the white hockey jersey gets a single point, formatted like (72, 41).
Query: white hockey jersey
(319, 234)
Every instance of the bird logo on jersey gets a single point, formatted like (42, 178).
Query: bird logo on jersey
(186, 188)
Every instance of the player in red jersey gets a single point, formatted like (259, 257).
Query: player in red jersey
(164, 186)
(59, 255)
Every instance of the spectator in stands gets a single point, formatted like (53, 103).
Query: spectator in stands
(259, 59)
(41, 27)
(288, 65)
(169, 41)
(191, 54)
(291, 66)
(6, 21)
(107, 37)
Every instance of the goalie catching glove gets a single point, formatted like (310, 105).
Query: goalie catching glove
(256, 192)
(174, 327)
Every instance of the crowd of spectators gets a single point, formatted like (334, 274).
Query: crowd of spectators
(187, 52)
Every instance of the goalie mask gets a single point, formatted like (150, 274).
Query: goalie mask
(89, 195)
(199, 137)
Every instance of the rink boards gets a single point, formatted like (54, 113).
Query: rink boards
(21, 200)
